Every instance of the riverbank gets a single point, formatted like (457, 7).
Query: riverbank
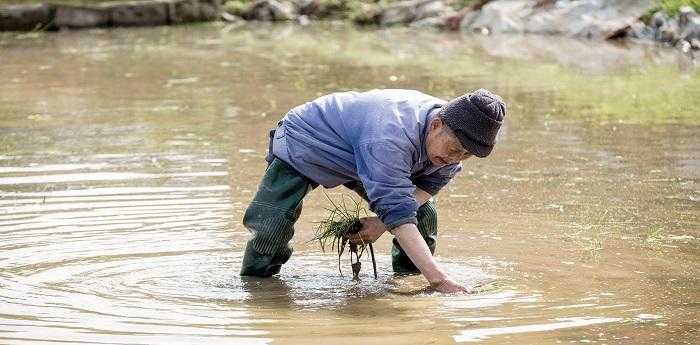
(672, 22)
(77, 15)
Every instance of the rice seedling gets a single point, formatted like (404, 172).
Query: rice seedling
(335, 230)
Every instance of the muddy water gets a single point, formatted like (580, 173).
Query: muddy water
(128, 156)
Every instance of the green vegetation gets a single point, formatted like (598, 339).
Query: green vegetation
(336, 228)
(236, 7)
(671, 7)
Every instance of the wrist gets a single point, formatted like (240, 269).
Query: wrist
(436, 277)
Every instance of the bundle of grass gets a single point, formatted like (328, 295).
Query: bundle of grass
(335, 230)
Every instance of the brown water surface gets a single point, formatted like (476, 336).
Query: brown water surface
(127, 158)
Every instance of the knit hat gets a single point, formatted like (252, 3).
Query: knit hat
(475, 118)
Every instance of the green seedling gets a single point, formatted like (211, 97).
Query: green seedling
(335, 230)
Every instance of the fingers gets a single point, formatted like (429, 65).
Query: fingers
(449, 286)
(354, 238)
(357, 239)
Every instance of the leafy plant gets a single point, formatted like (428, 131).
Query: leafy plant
(335, 230)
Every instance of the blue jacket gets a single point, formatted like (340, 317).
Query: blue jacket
(375, 137)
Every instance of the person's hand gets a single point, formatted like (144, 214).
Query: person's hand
(372, 229)
(448, 285)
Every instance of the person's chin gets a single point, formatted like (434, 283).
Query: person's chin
(438, 162)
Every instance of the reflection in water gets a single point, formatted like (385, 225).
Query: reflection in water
(559, 323)
(120, 211)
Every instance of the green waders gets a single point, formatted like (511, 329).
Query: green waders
(276, 207)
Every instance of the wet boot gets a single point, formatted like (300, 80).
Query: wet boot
(270, 218)
(261, 265)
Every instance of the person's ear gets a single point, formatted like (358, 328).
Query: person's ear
(436, 123)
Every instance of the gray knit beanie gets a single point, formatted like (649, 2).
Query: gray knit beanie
(475, 118)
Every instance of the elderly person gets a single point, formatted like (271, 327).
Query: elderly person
(395, 148)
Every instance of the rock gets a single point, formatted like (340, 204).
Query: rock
(683, 46)
(582, 18)
(229, 18)
(367, 14)
(68, 16)
(430, 9)
(432, 22)
(688, 24)
(658, 19)
(138, 13)
(676, 32)
(636, 30)
(686, 15)
(321, 8)
(24, 17)
(134, 13)
(663, 28)
(303, 20)
(183, 11)
(209, 10)
(668, 33)
(695, 43)
(308, 7)
(269, 10)
(408, 11)
(466, 23)
(501, 16)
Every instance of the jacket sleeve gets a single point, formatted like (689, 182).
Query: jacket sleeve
(433, 182)
(384, 168)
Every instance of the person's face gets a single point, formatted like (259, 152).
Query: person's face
(442, 145)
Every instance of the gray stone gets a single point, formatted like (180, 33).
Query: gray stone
(183, 11)
(413, 10)
(24, 17)
(209, 10)
(691, 30)
(431, 22)
(695, 43)
(641, 31)
(138, 13)
(308, 7)
(68, 16)
(688, 24)
(367, 13)
(663, 28)
(686, 15)
(658, 19)
(321, 8)
(230, 18)
(270, 10)
(303, 20)
(501, 17)
(466, 23)
(581, 18)
(668, 33)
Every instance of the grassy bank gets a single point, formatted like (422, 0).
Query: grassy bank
(671, 7)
